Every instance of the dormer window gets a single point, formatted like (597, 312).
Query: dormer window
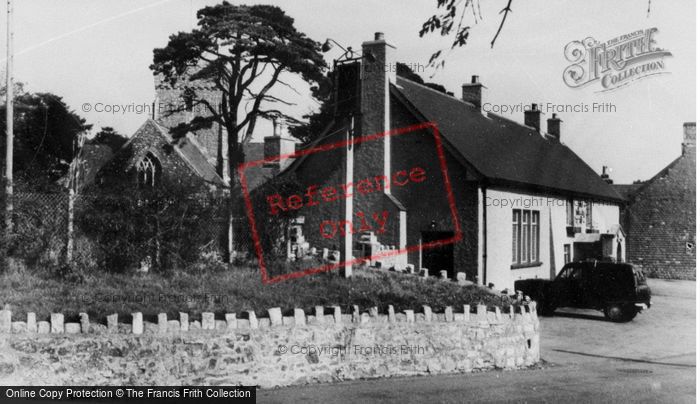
(148, 171)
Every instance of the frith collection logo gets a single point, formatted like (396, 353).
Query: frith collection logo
(616, 62)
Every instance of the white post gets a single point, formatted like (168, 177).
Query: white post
(9, 120)
(420, 254)
(348, 216)
(73, 184)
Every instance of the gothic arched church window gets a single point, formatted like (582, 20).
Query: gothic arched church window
(148, 171)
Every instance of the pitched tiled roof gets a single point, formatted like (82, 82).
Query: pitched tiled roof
(93, 156)
(194, 156)
(627, 190)
(502, 150)
(185, 148)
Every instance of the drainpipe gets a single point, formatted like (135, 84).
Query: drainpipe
(483, 260)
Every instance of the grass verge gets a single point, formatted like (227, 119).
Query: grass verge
(228, 290)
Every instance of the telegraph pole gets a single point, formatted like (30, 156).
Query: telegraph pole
(9, 121)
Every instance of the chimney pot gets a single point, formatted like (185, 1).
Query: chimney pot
(605, 176)
(378, 36)
(278, 145)
(688, 137)
(532, 117)
(554, 127)
(471, 92)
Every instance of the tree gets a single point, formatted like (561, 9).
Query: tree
(455, 11)
(244, 51)
(45, 134)
(451, 12)
(316, 121)
(109, 137)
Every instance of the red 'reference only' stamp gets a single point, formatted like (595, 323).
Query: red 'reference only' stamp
(412, 179)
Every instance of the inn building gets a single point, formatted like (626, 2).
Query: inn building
(501, 201)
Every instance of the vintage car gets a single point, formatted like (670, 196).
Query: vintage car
(619, 290)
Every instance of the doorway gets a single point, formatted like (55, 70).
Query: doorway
(441, 257)
(619, 252)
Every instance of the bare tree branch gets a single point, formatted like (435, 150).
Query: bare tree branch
(505, 12)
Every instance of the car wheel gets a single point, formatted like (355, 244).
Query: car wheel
(619, 313)
(630, 312)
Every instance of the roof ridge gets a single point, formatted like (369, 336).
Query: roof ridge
(450, 97)
(522, 125)
(664, 171)
(521, 157)
(193, 166)
(453, 98)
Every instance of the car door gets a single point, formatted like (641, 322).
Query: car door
(565, 286)
(576, 288)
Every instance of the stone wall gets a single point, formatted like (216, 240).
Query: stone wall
(274, 351)
(660, 221)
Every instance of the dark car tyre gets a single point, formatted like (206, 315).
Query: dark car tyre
(620, 313)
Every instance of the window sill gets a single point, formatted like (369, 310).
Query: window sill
(526, 265)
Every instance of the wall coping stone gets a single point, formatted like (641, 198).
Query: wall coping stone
(524, 315)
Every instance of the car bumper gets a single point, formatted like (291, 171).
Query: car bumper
(643, 306)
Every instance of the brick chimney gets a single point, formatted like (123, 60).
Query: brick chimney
(605, 175)
(471, 92)
(378, 70)
(532, 117)
(278, 145)
(688, 138)
(554, 127)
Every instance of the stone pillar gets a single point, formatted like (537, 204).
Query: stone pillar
(208, 322)
(275, 314)
(231, 322)
(84, 323)
(31, 322)
(252, 319)
(137, 323)
(162, 323)
(112, 323)
(184, 322)
(299, 317)
(319, 315)
(57, 323)
(5, 321)
(337, 315)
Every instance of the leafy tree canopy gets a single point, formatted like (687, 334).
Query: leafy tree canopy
(109, 137)
(45, 134)
(243, 51)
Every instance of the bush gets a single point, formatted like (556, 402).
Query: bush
(158, 228)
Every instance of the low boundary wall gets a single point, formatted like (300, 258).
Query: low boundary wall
(268, 352)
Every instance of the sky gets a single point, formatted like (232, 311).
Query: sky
(98, 52)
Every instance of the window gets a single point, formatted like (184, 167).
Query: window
(148, 171)
(576, 273)
(526, 238)
(567, 253)
(516, 236)
(188, 97)
(589, 215)
(535, 231)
